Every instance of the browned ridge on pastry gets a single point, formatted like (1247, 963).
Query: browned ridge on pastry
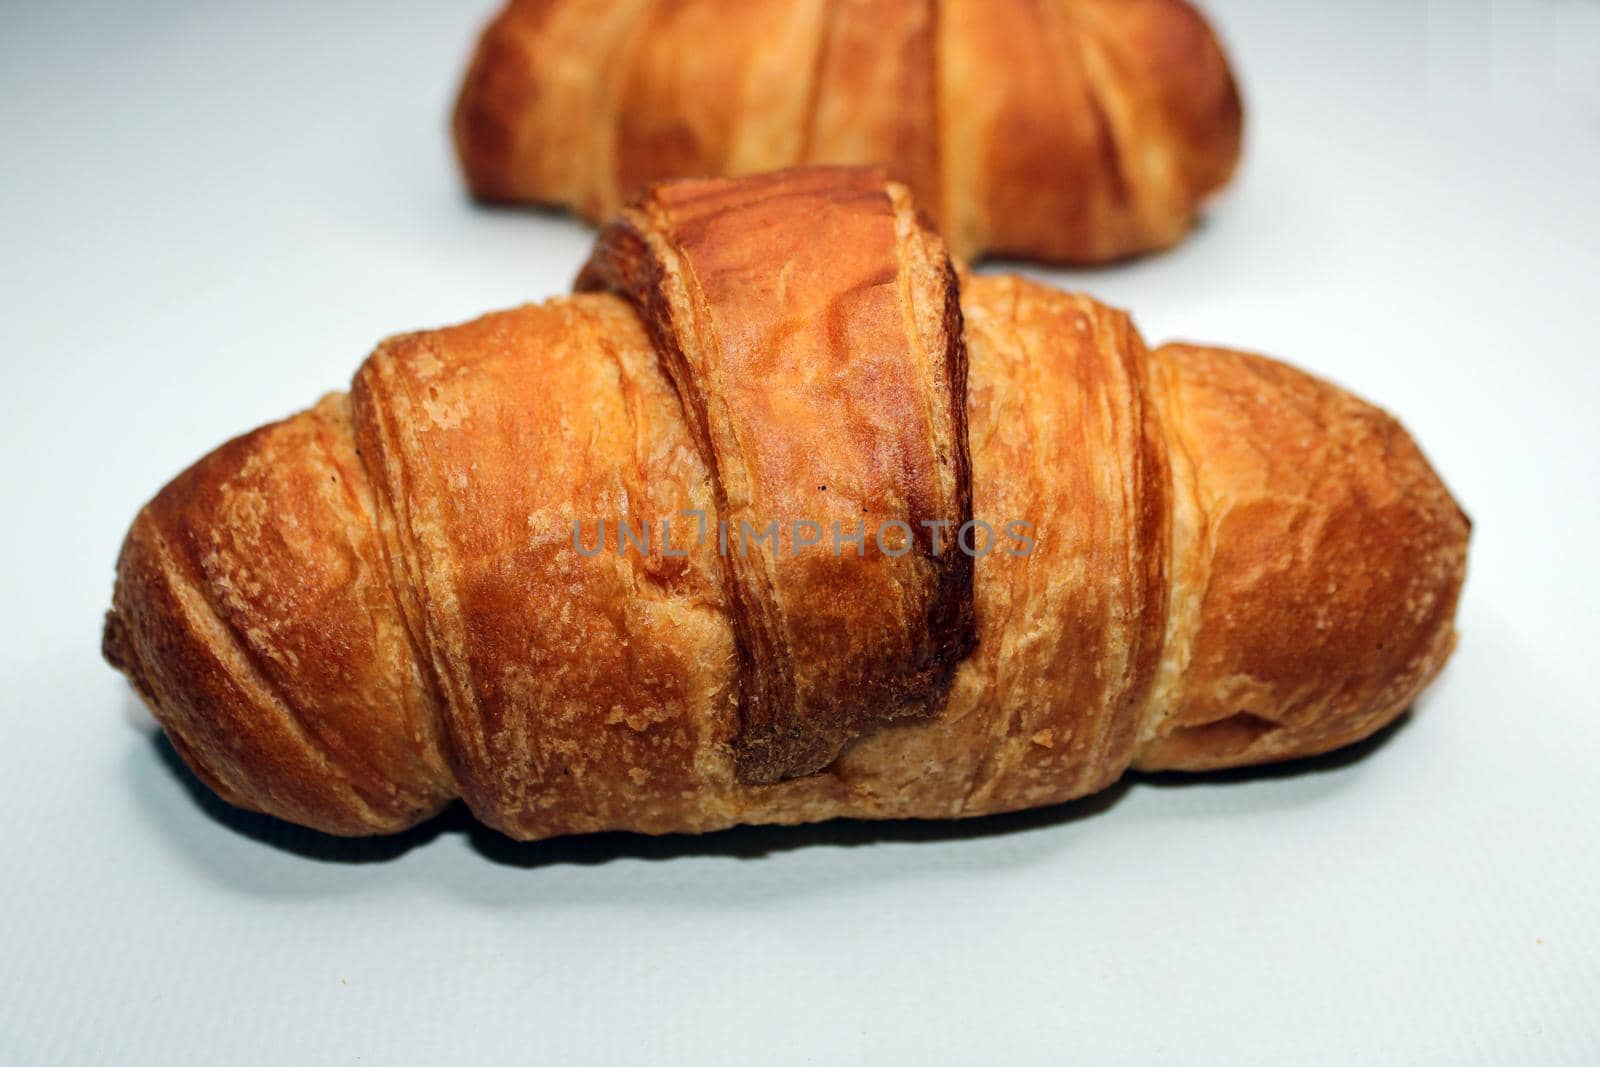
(421, 590)
(1059, 130)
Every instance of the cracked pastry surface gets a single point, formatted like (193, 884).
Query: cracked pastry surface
(350, 617)
(1057, 130)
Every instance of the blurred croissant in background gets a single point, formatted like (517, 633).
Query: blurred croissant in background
(1072, 131)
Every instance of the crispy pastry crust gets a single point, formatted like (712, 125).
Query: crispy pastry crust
(349, 617)
(860, 318)
(1058, 130)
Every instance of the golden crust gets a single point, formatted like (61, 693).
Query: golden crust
(559, 676)
(1321, 562)
(1059, 130)
(346, 618)
(771, 299)
(253, 613)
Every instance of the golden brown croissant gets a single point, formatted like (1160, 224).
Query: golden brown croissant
(1058, 130)
(1188, 558)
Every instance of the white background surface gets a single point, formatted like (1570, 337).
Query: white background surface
(211, 212)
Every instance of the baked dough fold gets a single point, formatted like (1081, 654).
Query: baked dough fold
(350, 617)
(1058, 130)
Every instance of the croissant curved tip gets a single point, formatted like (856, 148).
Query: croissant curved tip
(114, 643)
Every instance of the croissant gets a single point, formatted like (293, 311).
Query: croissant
(1056, 130)
(964, 545)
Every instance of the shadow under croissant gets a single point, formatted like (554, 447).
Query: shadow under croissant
(741, 842)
